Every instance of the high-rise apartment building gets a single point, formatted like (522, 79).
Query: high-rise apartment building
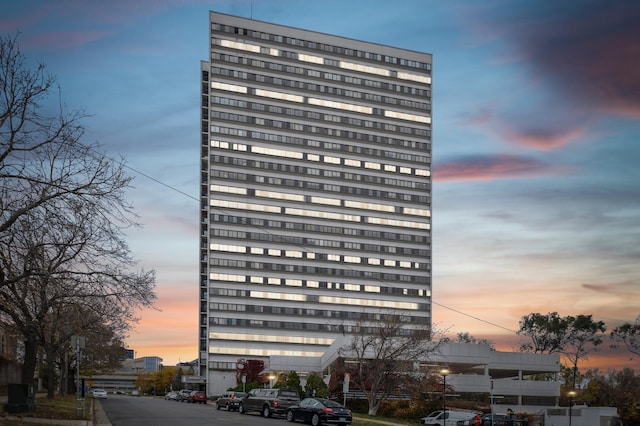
(315, 188)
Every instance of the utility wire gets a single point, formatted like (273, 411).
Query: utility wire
(166, 185)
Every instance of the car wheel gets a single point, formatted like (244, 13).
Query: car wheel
(266, 412)
(289, 415)
(241, 409)
(315, 420)
(227, 407)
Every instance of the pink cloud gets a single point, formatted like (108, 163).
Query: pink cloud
(542, 137)
(492, 168)
(64, 39)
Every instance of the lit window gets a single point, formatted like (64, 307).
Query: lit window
(414, 77)
(341, 105)
(417, 212)
(228, 189)
(279, 95)
(228, 87)
(240, 46)
(399, 223)
(278, 296)
(327, 201)
(409, 117)
(311, 58)
(364, 68)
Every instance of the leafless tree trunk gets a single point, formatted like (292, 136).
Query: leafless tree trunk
(381, 356)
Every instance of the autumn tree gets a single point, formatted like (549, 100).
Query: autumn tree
(620, 389)
(62, 212)
(629, 335)
(575, 337)
(381, 356)
(252, 370)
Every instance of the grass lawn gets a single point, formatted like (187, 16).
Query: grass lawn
(365, 420)
(59, 408)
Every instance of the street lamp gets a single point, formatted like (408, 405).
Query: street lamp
(571, 395)
(444, 373)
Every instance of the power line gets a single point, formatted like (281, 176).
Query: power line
(166, 185)
(474, 317)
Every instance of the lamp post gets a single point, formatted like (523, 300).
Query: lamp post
(444, 373)
(571, 395)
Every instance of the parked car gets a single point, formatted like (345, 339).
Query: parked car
(498, 420)
(318, 411)
(268, 401)
(171, 395)
(99, 393)
(485, 420)
(447, 418)
(197, 397)
(183, 395)
(230, 400)
(135, 393)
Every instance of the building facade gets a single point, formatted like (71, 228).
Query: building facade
(315, 191)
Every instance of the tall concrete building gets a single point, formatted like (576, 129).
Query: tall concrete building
(315, 189)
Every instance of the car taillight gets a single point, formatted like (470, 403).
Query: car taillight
(275, 402)
(327, 410)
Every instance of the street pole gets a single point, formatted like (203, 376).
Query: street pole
(444, 372)
(78, 383)
(571, 395)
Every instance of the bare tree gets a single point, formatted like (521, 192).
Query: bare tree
(382, 355)
(62, 214)
(65, 296)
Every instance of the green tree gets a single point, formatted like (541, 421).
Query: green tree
(629, 335)
(316, 386)
(575, 337)
(289, 380)
(465, 337)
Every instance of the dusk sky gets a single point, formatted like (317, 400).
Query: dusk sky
(536, 150)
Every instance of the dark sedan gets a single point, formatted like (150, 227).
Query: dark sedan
(318, 411)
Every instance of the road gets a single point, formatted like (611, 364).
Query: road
(124, 410)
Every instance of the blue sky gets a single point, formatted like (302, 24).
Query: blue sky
(536, 118)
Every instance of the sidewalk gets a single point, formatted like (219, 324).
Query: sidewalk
(98, 415)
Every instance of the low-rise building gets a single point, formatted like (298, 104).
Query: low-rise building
(525, 382)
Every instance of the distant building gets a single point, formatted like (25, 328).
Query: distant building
(315, 188)
(145, 364)
(129, 354)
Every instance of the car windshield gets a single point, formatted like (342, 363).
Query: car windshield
(330, 404)
(289, 394)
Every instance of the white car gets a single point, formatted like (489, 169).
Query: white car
(99, 393)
